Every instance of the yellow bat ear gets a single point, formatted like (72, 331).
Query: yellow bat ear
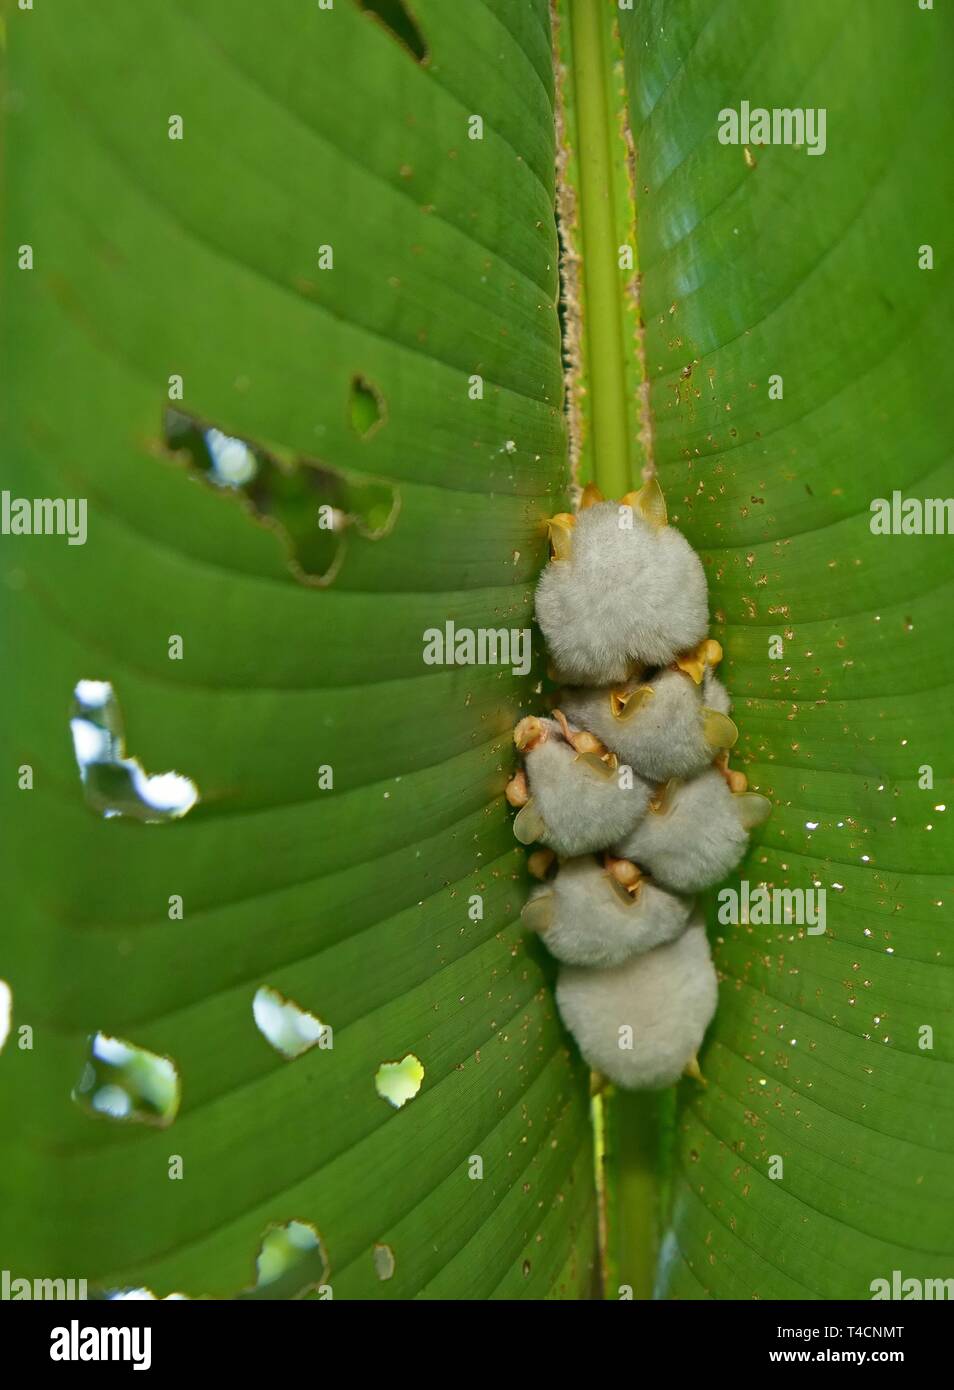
(538, 914)
(718, 730)
(591, 495)
(693, 1070)
(625, 703)
(560, 532)
(661, 802)
(649, 502)
(754, 809)
(596, 765)
(693, 662)
(529, 825)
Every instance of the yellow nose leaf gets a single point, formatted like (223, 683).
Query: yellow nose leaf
(516, 791)
(540, 862)
(529, 732)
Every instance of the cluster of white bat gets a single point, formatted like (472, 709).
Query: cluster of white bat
(628, 787)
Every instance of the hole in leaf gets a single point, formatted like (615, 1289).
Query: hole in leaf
(6, 1011)
(114, 784)
(384, 1261)
(313, 509)
(395, 15)
(126, 1082)
(290, 1263)
(290, 1029)
(233, 463)
(367, 407)
(399, 1082)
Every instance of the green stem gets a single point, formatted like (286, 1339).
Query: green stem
(605, 327)
(635, 1127)
(602, 277)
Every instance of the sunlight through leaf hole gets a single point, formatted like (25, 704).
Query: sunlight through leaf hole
(399, 1082)
(125, 1082)
(114, 784)
(290, 1029)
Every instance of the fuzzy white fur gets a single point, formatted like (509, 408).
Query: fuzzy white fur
(693, 843)
(591, 922)
(623, 595)
(583, 809)
(667, 997)
(665, 735)
(714, 694)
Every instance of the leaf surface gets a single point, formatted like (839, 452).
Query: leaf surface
(200, 258)
(807, 267)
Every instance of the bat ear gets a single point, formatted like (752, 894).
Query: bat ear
(591, 495)
(661, 803)
(538, 914)
(529, 825)
(693, 662)
(595, 764)
(649, 502)
(753, 808)
(693, 1070)
(625, 703)
(718, 730)
(560, 534)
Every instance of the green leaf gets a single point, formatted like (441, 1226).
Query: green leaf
(201, 258)
(325, 1040)
(808, 267)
